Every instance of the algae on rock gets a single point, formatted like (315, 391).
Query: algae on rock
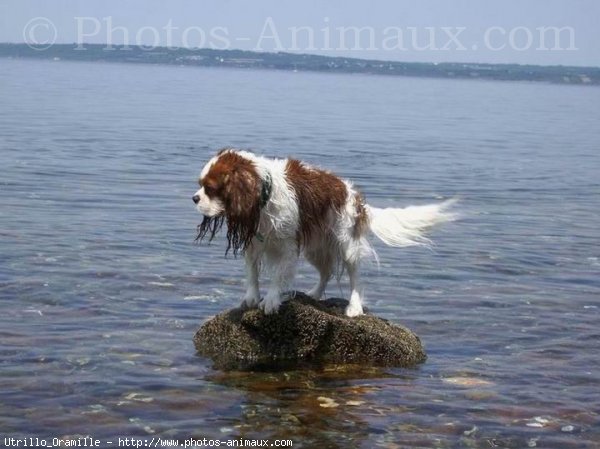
(305, 332)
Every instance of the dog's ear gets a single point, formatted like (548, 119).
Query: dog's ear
(241, 194)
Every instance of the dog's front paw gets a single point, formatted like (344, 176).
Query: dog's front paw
(250, 299)
(315, 293)
(270, 304)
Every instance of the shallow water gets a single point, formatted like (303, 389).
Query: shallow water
(102, 287)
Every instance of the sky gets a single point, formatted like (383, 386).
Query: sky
(542, 32)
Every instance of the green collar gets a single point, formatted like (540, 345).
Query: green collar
(265, 190)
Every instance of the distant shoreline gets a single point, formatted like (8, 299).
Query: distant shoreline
(305, 63)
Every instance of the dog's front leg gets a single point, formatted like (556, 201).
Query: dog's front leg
(281, 258)
(252, 256)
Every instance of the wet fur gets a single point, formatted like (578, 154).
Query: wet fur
(309, 211)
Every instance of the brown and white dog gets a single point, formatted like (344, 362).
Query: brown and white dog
(277, 208)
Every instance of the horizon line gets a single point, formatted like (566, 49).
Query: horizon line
(354, 58)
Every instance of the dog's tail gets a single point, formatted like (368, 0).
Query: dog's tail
(401, 227)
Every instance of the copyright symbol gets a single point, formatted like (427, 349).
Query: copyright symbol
(40, 33)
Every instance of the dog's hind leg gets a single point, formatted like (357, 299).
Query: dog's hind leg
(323, 259)
(351, 254)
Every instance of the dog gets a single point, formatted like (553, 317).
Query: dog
(276, 209)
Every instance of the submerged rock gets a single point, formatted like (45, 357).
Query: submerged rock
(305, 332)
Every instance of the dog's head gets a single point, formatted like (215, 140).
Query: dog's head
(229, 190)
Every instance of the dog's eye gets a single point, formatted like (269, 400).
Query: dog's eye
(209, 190)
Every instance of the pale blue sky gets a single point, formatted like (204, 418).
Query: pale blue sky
(492, 31)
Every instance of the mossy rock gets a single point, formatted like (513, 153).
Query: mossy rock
(305, 332)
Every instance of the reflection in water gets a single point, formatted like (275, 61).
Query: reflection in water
(328, 408)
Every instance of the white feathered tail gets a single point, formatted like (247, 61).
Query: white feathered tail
(406, 226)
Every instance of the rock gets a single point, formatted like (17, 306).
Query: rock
(305, 332)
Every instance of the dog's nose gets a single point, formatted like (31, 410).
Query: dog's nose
(196, 198)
